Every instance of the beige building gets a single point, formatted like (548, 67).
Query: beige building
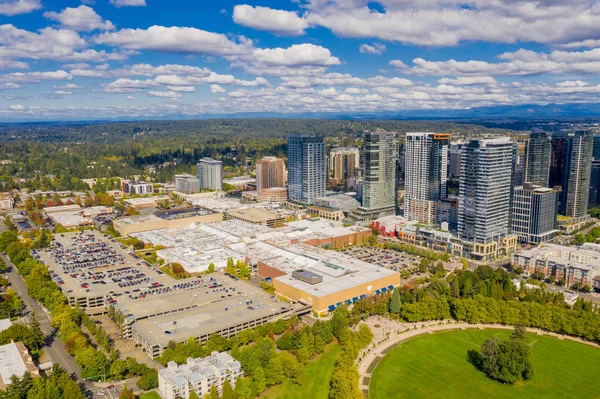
(276, 195)
(343, 164)
(166, 220)
(6, 201)
(270, 174)
(15, 360)
(256, 216)
(324, 279)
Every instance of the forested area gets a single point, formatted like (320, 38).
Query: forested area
(57, 156)
(57, 386)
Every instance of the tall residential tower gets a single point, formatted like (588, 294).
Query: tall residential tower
(426, 171)
(380, 152)
(485, 194)
(307, 169)
(210, 173)
(343, 163)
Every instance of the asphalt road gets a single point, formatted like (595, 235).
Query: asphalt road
(53, 346)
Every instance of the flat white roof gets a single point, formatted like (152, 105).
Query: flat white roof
(11, 362)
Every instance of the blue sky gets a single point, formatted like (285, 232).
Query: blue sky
(87, 59)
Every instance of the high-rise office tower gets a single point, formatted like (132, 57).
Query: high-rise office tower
(343, 163)
(596, 151)
(380, 152)
(533, 217)
(537, 158)
(270, 179)
(454, 159)
(570, 171)
(307, 168)
(578, 181)
(594, 199)
(485, 190)
(210, 173)
(426, 171)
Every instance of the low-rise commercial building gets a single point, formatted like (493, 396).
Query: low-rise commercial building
(256, 216)
(198, 375)
(136, 187)
(186, 183)
(570, 264)
(15, 360)
(324, 279)
(165, 220)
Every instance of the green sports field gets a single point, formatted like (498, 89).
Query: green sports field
(316, 384)
(436, 366)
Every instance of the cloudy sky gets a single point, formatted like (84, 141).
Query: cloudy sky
(69, 59)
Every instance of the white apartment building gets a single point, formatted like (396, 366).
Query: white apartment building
(186, 183)
(198, 375)
(210, 173)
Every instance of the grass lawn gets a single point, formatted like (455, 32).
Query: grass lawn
(150, 395)
(436, 366)
(316, 384)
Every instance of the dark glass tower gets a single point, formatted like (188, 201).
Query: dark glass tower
(307, 168)
(537, 159)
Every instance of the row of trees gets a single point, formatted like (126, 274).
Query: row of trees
(422, 252)
(239, 269)
(486, 296)
(58, 385)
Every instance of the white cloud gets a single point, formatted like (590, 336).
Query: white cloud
(130, 98)
(217, 89)
(35, 77)
(449, 22)
(16, 7)
(169, 69)
(164, 94)
(296, 55)
(375, 49)
(12, 64)
(68, 86)
(175, 40)
(182, 89)
(469, 80)
(6, 86)
(17, 107)
(128, 85)
(264, 18)
(49, 44)
(82, 18)
(128, 3)
(62, 92)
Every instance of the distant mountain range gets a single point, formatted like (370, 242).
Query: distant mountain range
(514, 112)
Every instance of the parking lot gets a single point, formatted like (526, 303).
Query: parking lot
(390, 259)
(93, 270)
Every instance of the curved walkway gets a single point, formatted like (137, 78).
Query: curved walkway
(369, 360)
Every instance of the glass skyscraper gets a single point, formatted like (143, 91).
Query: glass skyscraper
(307, 168)
(380, 152)
(537, 159)
(485, 189)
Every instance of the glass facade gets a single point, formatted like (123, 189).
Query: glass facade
(307, 168)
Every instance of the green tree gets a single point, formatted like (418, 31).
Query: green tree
(260, 379)
(126, 394)
(395, 302)
(228, 392)
(36, 334)
(211, 268)
(213, 392)
(193, 395)
(243, 388)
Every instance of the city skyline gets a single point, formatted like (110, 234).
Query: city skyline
(69, 59)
